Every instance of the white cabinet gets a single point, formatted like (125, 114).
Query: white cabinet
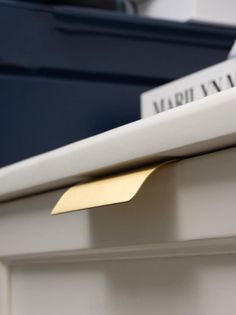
(170, 250)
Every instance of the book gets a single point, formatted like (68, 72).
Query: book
(204, 11)
(190, 88)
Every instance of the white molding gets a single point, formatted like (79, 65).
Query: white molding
(204, 247)
(4, 289)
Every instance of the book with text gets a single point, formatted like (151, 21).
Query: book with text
(190, 88)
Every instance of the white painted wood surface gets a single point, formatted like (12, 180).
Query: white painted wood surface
(5, 292)
(170, 251)
(178, 133)
(186, 285)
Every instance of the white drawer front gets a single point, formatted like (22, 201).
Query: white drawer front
(170, 251)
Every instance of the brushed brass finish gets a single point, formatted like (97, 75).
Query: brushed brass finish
(106, 191)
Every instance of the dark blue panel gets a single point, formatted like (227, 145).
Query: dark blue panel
(69, 73)
(40, 114)
(63, 38)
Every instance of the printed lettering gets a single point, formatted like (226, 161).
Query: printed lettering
(179, 99)
(217, 85)
(159, 107)
(204, 89)
(230, 80)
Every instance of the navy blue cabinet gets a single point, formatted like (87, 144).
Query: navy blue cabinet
(69, 73)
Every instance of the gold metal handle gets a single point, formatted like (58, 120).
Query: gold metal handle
(105, 191)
